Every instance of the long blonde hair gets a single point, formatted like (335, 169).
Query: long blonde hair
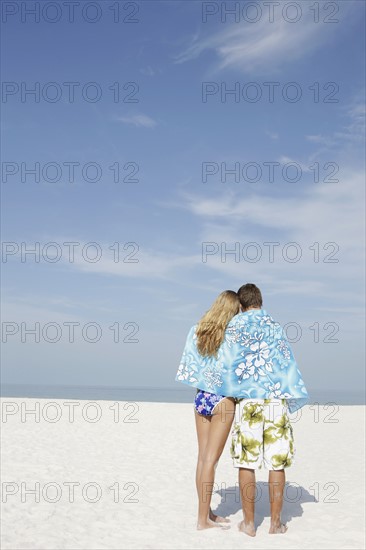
(211, 327)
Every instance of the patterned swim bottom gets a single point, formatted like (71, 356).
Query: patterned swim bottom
(262, 434)
(205, 402)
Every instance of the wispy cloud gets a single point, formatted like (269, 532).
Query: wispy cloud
(263, 47)
(287, 160)
(313, 215)
(148, 71)
(139, 120)
(272, 135)
(315, 207)
(351, 133)
(322, 140)
(146, 264)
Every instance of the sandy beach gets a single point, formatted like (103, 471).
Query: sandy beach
(100, 475)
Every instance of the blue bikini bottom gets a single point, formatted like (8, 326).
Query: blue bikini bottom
(205, 402)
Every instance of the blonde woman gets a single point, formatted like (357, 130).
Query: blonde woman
(214, 413)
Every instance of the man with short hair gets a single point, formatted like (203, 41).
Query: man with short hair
(263, 431)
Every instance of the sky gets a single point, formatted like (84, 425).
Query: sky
(179, 150)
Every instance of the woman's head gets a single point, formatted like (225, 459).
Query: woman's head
(211, 328)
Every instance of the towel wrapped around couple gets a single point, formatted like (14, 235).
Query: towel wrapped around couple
(255, 360)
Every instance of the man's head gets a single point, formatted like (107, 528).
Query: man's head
(250, 296)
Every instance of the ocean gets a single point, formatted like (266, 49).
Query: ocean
(155, 394)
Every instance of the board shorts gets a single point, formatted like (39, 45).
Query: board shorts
(205, 402)
(262, 435)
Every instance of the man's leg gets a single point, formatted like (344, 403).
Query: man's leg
(248, 494)
(246, 451)
(276, 484)
(278, 455)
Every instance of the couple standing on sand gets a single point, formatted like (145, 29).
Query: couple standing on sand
(237, 355)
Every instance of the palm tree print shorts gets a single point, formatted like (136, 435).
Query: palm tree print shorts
(262, 435)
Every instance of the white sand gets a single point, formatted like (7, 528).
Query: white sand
(156, 456)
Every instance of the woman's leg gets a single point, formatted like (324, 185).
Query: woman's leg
(218, 432)
(202, 428)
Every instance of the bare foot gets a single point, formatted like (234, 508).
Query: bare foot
(277, 528)
(208, 524)
(218, 519)
(247, 528)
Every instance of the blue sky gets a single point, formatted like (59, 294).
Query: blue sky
(165, 137)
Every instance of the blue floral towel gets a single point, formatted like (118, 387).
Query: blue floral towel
(254, 361)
